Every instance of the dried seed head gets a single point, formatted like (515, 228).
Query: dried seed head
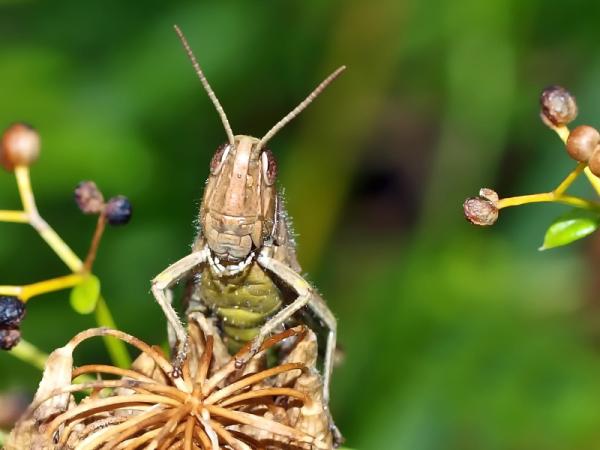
(582, 142)
(118, 210)
(20, 146)
(480, 211)
(9, 337)
(558, 106)
(88, 197)
(211, 406)
(12, 311)
(489, 194)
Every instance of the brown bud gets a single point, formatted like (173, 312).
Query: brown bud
(582, 142)
(20, 146)
(480, 211)
(9, 337)
(89, 198)
(594, 162)
(558, 106)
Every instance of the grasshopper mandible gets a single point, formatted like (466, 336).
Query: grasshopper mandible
(244, 257)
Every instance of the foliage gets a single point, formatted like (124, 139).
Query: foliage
(455, 338)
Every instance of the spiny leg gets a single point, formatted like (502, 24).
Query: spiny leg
(306, 297)
(161, 284)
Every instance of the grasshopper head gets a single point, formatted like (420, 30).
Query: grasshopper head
(238, 211)
(238, 208)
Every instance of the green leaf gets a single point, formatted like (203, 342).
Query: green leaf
(569, 227)
(85, 295)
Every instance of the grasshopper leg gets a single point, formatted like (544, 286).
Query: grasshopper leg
(306, 297)
(161, 289)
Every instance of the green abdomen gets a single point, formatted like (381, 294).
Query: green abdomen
(243, 302)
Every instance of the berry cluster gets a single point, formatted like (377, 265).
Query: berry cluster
(558, 110)
(90, 200)
(19, 149)
(12, 311)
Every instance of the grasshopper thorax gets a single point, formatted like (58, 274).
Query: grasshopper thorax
(239, 206)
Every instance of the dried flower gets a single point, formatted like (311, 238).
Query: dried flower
(558, 106)
(480, 211)
(88, 197)
(489, 194)
(213, 406)
(9, 337)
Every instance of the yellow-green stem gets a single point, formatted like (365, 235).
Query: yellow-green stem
(30, 354)
(14, 216)
(549, 197)
(563, 133)
(61, 249)
(25, 191)
(593, 179)
(55, 284)
(116, 348)
(568, 181)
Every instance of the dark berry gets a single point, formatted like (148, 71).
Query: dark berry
(89, 198)
(480, 211)
(9, 337)
(118, 210)
(558, 106)
(12, 311)
(582, 142)
(20, 146)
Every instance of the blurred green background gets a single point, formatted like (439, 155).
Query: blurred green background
(456, 337)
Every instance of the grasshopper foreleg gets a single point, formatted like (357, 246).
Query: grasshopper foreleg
(307, 296)
(161, 287)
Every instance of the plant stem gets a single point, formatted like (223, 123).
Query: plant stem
(117, 350)
(593, 179)
(30, 214)
(54, 284)
(13, 216)
(92, 252)
(563, 133)
(557, 195)
(30, 354)
(549, 197)
(569, 179)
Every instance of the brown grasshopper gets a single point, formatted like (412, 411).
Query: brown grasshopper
(243, 259)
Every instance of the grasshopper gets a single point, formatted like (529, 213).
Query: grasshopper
(243, 260)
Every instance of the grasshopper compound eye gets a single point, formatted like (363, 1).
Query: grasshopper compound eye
(219, 157)
(269, 166)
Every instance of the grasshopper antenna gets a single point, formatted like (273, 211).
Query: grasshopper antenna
(207, 87)
(298, 109)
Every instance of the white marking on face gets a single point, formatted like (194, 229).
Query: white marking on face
(221, 270)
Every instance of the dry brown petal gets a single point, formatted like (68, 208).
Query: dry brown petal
(210, 406)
